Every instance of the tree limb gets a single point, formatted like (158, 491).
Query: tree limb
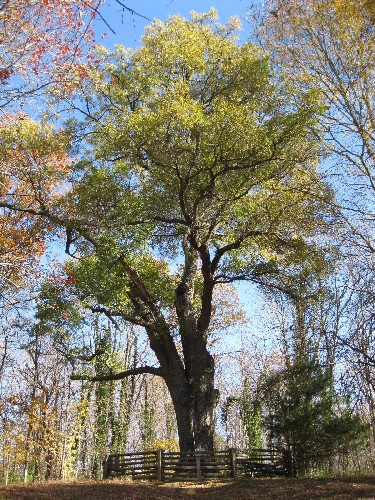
(121, 375)
(110, 315)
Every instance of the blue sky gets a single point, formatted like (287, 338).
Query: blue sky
(130, 27)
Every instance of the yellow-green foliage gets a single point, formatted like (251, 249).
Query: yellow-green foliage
(201, 133)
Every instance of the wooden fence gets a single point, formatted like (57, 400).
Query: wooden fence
(175, 466)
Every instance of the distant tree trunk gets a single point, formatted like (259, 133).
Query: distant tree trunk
(103, 399)
(120, 425)
(35, 355)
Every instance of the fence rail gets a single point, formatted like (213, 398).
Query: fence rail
(161, 465)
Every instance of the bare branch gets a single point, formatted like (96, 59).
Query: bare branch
(132, 11)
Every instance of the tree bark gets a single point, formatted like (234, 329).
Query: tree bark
(189, 375)
(194, 405)
(204, 403)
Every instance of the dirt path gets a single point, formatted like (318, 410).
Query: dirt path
(257, 489)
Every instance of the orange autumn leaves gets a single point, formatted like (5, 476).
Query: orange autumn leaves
(20, 245)
(33, 167)
(44, 37)
(44, 45)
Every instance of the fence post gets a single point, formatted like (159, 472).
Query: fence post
(233, 464)
(106, 468)
(288, 462)
(198, 462)
(159, 465)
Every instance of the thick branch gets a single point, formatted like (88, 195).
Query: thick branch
(172, 220)
(208, 286)
(69, 225)
(121, 375)
(220, 252)
(17, 208)
(142, 290)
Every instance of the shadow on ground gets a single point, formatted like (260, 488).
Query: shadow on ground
(257, 489)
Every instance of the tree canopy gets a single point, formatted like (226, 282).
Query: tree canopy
(200, 169)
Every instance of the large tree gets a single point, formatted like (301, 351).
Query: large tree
(200, 170)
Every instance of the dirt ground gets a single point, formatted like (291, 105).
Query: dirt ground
(257, 489)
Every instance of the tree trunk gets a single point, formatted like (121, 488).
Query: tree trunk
(195, 417)
(194, 402)
(189, 375)
(204, 404)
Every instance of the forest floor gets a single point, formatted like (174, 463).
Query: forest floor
(257, 489)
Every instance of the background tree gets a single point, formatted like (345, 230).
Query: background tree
(249, 409)
(42, 43)
(305, 416)
(33, 165)
(307, 408)
(331, 46)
